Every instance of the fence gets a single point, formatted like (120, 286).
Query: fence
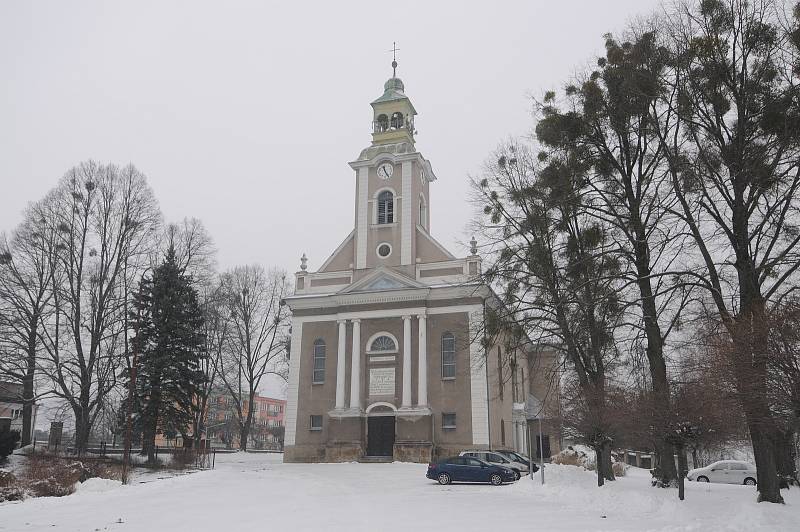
(183, 457)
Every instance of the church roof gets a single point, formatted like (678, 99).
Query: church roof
(393, 90)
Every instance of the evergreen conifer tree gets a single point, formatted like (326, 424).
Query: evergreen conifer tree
(169, 341)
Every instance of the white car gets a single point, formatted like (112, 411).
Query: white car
(494, 457)
(725, 472)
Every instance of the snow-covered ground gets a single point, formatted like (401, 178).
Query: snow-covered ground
(256, 492)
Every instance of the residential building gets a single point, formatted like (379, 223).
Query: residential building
(267, 428)
(11, 404)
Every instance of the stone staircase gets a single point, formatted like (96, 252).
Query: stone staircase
(376, 459)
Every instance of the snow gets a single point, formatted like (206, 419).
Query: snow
(254, 491)
(15, 463)
(97, 485)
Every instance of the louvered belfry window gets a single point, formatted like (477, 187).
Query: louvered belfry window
(385, 207)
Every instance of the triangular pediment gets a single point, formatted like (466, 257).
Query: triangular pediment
(380, 280)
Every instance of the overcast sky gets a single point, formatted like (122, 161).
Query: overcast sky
(245, 114)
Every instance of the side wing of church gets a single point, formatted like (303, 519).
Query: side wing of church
(386, 357)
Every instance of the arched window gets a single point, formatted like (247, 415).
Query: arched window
(423, 212)
(381, 123)
(319, 361)
(448, 356)
(397, 120)
(385, 207)
(383, 343)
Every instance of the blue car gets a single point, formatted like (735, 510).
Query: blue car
(468, 469)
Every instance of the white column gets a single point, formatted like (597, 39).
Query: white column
(406, 362)
(422, 380)
(479, 389)
(290, 415)
(340, 364)
(355, 367)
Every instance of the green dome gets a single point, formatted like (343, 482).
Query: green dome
(394, 84)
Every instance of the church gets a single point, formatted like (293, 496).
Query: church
(388, 356)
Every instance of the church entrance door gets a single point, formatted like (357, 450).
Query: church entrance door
(380, 436)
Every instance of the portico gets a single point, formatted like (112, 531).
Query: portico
(410, 358)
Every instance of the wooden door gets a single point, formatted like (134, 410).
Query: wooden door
(380, 436)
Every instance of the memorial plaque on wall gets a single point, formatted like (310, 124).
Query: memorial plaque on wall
(381, 381)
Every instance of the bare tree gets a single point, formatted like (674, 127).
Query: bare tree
(605, 122)
(105, 218)
(256, 342)
(731, 129)
(194, 249)
(27, 264)
(558, 272)
(216, 311)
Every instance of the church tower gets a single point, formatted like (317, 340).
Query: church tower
(383, 362)
(392, 186)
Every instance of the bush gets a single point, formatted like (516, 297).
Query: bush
(51, 487)
(51, 477)
(8, 442)
(182, 459)
(7, 478)
(619, 469)
(100, 469)
(12, 493)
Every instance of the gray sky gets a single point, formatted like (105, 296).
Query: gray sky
(245, 114)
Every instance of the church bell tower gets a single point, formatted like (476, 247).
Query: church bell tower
(392, 180)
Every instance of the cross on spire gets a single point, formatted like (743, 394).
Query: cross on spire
(394, 51)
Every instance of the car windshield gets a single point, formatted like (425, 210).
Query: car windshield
(516, 457)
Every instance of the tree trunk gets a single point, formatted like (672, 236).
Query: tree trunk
(786, 456)
(82, 429)
(598, 455)
(694, 458)
(665, 454)
(605, 462)
(764, 453)
(244, 434)
(749, 362)
(151, 429)
(27, 401)
(655, 347)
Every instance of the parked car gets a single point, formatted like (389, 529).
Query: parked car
(469, 469)
(726, 472)
(499, 458)
(514, 456)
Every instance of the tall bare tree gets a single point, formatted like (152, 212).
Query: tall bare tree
(732, 129)
(105, 217)
(558, 273)
(216, 311)
(604, 121)
(256, 344)
(27, 264)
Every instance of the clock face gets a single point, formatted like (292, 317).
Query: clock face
(385, 171)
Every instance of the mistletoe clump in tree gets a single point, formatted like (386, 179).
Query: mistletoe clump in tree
(169, 340)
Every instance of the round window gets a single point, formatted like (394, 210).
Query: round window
(384, 250)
